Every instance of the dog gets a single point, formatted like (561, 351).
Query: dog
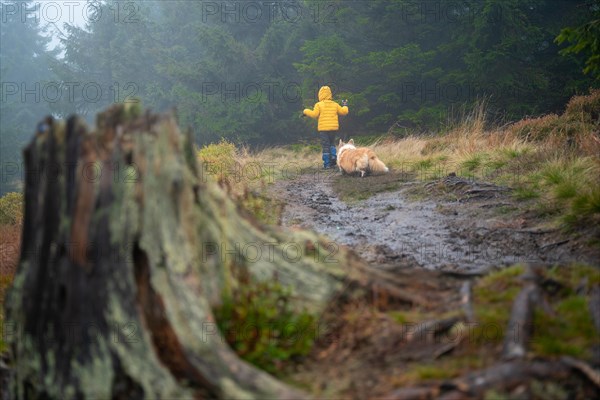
(351, 159)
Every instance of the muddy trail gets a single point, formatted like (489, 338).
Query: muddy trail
(452, 224)
(437, 241)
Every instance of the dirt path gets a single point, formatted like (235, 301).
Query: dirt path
(411, 228)
(453, 224)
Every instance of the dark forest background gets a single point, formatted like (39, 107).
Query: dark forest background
(244, 70)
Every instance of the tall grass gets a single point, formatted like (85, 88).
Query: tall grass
(245, 175)
(553, 161)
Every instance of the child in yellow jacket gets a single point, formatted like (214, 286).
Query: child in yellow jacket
(327, 111)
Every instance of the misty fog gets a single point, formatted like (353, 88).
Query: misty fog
(243, 70)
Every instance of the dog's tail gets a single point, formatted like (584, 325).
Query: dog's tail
(377, 166)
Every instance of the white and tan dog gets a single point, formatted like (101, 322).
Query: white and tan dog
(351, 159)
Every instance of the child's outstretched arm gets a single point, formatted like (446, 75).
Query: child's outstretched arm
(312, 113)
(343, 109)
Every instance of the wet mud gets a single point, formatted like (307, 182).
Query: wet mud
(449, 224)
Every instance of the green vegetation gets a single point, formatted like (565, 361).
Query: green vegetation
(367, 140)
(565, 187)
(567, 330)
(526, 193)
(584, 38)
(474, 162)
(415, 315)
(244, 73)
(243, 177)
(261, 326)
(11, 209)
(493, 297)
(304, 148)
(570, 332)
(219, 160)
(261, 207)
(239, 82)
(551, 161)
(442, 369)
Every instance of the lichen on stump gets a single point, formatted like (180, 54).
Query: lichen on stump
(126, 250)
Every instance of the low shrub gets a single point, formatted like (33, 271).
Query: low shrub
(219, 160)
(11, 209)
(259, 323)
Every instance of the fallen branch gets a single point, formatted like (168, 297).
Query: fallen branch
(429, 329)
(535, 231)
(492, 190)
(561, 242)
(592, 374)
(384, 294)
(520, 324)
(445, 349)
(505, 376)
(385, 289)
(466, 301)
(464, 274)
(499, 377)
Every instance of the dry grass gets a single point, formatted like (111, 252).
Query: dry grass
(240, 169)
(10, 244)
(281, 163)
(554, 158)
(245, 175)
(575, 132)
(460, 151)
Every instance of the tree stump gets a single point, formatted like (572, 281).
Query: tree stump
(126, 251)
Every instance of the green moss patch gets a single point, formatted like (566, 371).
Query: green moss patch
(261, 326)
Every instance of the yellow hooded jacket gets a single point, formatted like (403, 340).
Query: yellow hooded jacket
(327, 111)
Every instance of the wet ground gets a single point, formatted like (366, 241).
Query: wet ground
(450, 224)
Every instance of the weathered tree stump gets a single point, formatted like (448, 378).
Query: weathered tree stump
(126, 250)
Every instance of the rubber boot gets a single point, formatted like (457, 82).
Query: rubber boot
(326, 160)
(333, 156)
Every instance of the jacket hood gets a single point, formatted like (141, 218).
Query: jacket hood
(325, 93)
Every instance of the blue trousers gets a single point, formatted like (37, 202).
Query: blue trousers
(328, 147)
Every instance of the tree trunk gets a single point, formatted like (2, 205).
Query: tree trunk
(126, 250)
